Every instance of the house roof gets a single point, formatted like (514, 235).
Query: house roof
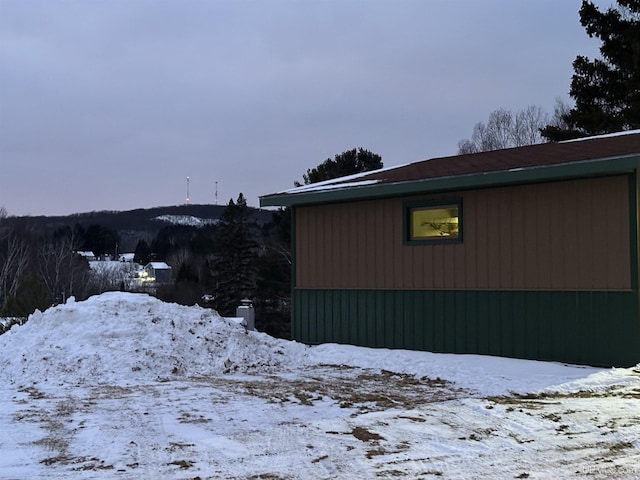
(159, 266)
(583, 157)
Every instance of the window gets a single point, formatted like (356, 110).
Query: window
(433, 221)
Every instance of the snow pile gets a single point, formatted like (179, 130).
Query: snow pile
(124, 338)
(124, 385)
(127, 338)
(604, 382)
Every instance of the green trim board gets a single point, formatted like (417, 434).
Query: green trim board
(605, 166)
(634, 223)
(583, 327)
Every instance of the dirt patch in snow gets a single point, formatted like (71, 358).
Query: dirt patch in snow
(363, 390)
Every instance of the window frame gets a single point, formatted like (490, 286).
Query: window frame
(408, 207)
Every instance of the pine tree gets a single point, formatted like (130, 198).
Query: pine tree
(234, 265)
(142, 253)
(606, 90)
(346, 163)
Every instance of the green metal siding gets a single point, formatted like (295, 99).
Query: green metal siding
(584, 327)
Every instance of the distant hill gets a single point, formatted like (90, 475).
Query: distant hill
(148, 220)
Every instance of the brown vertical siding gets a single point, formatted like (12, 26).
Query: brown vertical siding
(570, 235)
(517, 235)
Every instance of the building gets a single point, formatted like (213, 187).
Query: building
(88, 255)
(126, 257)
(528, 252)
(158, 272)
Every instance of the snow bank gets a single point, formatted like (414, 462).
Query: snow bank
(127, 338)
(483, 374)
(131, 338)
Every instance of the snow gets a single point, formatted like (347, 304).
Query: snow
(187, 220)
(352, 180)
(604, 135)
(322, 186)
(125, 386)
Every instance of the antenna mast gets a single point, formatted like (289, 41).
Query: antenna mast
(187, 190)
(216, 192)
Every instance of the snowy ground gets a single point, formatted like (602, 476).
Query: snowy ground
(125, 386)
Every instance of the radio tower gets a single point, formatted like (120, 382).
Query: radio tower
(187, 190)
(216, 193)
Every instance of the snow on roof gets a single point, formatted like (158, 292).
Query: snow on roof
(604, 135)
(329, 185)
(159, 265)
(504, 160)
(340, 182)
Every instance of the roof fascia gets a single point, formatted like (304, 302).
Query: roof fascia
(561, 171)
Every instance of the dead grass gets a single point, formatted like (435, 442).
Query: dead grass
(366, 391)
(365, 435)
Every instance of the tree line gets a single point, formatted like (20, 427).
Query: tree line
(215, 265)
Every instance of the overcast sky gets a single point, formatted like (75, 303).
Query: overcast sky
(110, 105)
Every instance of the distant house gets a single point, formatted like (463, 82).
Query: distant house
(527, 252)
(126, 257)
(158, 272)
(88, 255)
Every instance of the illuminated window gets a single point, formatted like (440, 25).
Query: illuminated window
(433, 222)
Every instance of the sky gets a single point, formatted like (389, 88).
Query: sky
(112, 105)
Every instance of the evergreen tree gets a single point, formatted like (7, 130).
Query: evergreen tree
(606, 90)
(31, 295)
(101, 240)
(234, 264)
(142, 254)
(346, 163)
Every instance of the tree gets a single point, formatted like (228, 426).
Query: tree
(14, 261)
(273, 280)
(110, 276)
(606, 90)
(101, 240)
(506, 130)
(30, 295)
(273, 298)
(236, 250)
(62, 272)
(346, 163)
(142, 253)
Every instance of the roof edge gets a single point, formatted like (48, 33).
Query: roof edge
(538, 173)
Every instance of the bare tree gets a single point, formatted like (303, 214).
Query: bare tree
(180, 257)
(560, 111)
(109, 276)
(528, 122)
(62, 271)
(505, 130)
(14, 260)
